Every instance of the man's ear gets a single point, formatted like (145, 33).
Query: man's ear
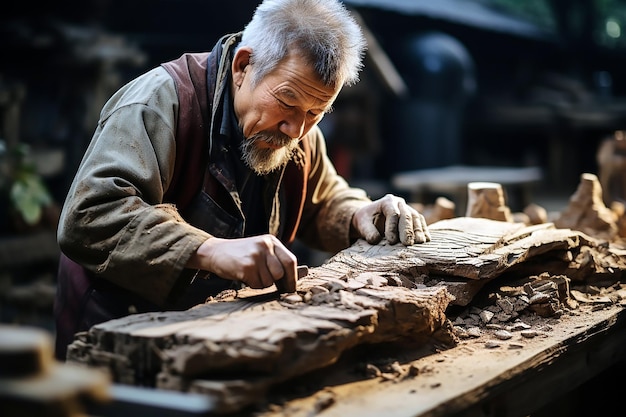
(241, 60)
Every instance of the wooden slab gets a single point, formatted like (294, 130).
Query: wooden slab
(248, 344)
(237, 346)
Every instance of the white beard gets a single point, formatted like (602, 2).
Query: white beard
(265, 160)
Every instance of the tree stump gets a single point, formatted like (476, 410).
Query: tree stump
(486, 200)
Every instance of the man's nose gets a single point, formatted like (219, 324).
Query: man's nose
(293, 127)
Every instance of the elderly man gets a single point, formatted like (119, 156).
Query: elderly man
(203, 171)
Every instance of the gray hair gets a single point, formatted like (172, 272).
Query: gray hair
(324, 31)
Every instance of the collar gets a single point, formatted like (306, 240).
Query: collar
(218, 80)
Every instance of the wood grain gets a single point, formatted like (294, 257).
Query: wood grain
(236, 346)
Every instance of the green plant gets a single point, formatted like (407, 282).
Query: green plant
(26, 191)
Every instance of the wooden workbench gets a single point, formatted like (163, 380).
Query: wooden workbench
(327, 349)
(453, 181)
(514, 379)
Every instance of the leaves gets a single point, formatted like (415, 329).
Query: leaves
(29, 195)
(22, 183)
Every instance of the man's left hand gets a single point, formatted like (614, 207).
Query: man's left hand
(392, 218)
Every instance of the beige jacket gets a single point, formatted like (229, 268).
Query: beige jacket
(114, 221)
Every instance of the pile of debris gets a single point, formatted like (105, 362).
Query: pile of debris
(531, 307)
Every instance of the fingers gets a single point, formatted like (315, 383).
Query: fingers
(282, 266)
(422, 233)
(370, 224)
(275, 264)
(412, 226)
(391, 226)
(405, 225)
(261, 275)
(400, 222)
(257, 261)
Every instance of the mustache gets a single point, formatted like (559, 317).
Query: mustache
(276, 139)
(263, 160)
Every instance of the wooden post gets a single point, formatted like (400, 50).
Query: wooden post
(486, 200)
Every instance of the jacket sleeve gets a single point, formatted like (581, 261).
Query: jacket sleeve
(330, 201)
(114, 221)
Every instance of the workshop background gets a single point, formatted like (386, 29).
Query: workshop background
(498, 83)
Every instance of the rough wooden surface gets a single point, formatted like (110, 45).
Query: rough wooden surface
(479, 377)
(239, 345)
(586, 211)
(486, 200)
(235, 349)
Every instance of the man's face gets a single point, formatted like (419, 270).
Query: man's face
(279, 111)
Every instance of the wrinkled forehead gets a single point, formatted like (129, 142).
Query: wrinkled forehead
(305, 73)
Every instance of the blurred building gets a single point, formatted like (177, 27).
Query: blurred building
(474, 82)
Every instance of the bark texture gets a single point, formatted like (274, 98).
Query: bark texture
(238, 345)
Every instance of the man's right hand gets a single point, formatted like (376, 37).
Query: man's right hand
(257, 261)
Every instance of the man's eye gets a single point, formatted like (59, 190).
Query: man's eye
(283, 104)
